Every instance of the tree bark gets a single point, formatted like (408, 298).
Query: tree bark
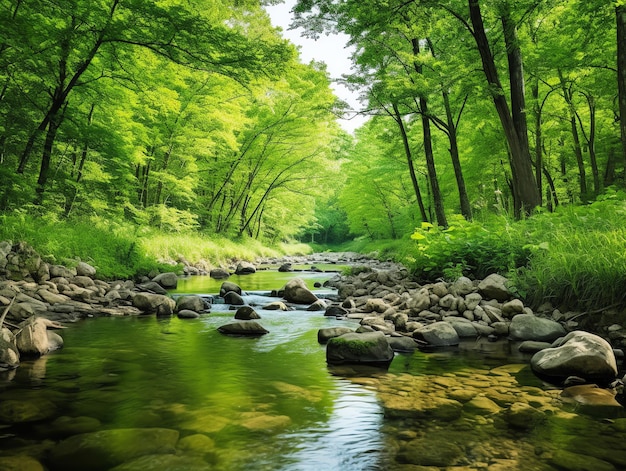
(538, 136)
(409, 159)
(525, 192)
(440, 213)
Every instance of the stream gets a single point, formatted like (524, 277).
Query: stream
(272, 403)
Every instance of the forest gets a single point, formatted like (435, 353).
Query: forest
(496, 138)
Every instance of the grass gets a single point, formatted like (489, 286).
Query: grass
(124, 250)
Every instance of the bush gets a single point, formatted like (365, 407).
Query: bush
(466, 248)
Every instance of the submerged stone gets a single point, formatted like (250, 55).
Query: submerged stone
(244, 328)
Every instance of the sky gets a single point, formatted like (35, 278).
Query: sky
(328, 49)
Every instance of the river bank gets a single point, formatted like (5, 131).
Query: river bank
(494, 402)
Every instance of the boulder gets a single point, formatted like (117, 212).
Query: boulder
(187, 314)
(319, 305)
(581, 354)
(105, 449)
(229, 286)
(245, 329)
(219, 273)
(167, 280)
(148, 302)
(296, 291)
(437, 334)
(84, 269)
(285, 268)
(494, 287)
(324, 335)
(245, 268)
(233, 298)
(462, 286)
(464, 327)
(402, 344)
(151, 287)
(531, 327)
(9, 354)
(335, 311)
(276, 306)
(246, 313)
(369, 348)
(32, 338)
(192, 302)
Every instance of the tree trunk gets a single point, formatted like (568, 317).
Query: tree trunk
(440, 213)
(538, 135)
(53, 126)
(525, 191)
(620, 14)
(409, 159)
(466, 208)
(591, 141)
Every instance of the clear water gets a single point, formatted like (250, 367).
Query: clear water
(272, 403)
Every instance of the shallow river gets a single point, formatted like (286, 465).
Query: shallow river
(271, 403)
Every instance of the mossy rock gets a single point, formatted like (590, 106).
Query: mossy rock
(370, 348)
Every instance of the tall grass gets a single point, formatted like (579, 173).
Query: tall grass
(125, 250)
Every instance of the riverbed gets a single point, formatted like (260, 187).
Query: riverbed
(272, 403)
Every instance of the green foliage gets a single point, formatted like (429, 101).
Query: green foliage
(466, 248)
(114, 249)
(578, 259)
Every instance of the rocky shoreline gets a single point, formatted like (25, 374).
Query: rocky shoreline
(395, 315)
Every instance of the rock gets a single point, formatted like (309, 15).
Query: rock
(164, 310)
(152, 287)
(20, 463)
(32, 338)
(481, 405)
(531, 327)
(296, 291)
(419, 301)
(319, 305)
(65, 426)
(580, 354)
(512, 308)
(324, 335)
(532, 346)
(276, 306)
(245, 328)
(165, 462)
(375, 305)
(245, 268)
(464, 328)
(367, 348)
(592, 400)
(428, 452)
(472, 301)
(246, 313)
(187, 314)
(219, 273)
(233, 298)
(462, 287)
(59, 271)
(84, 269)
(259, 422)
(421, 406)
(197, 443)
(335, 311)
(14, 411)
(191, 302)
(148, 302)
(494, 287)
(9, 355)
(285, 267)
(105, 449)
(523, 416)
(438, 334)
(402, 344)
(167, 280)
(564, 459)
(55, 341)
(229, 286)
